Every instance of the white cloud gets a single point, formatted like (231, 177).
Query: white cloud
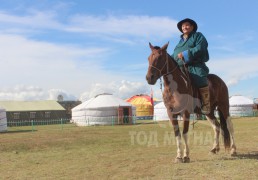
(54, 93)
(35, 22)
(123, 89)
(28, 93)
(48, 65)
(144, 26)
(22, 92)
(233, 70)
(76, 68)
(65, 66)
(234, 43)
(118, 28)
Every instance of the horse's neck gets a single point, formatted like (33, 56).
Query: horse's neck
(175, 79)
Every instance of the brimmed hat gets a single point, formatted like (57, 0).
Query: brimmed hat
(192, 22)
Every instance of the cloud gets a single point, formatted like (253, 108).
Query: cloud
(22, 92)
(123, 89)
(234, 43)
(117, 28)
(143, 26)
(34, 21)
(54, 93)
(27, 60)
(29, 93)
(49, 65)
(233, 70)
(70, 64)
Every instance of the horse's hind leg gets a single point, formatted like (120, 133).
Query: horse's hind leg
(216, 128)
(231, 131)
(225, 113)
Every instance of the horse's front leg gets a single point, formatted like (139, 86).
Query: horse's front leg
(179, 157)
(174, 122)
(186, 118)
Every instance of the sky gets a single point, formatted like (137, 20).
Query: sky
(81, 48)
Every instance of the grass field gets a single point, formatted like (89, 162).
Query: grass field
(142, 151)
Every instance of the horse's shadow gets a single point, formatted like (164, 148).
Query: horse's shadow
(249, 155)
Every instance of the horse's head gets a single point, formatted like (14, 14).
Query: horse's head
(157, 62)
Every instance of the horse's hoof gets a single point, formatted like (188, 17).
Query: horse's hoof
(178, 160)
(214, 151)
(186, 159)
(233, 153)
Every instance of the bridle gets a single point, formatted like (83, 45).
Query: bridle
(166, 64)
(160, 70)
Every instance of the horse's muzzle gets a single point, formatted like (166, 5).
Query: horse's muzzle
(150, 79)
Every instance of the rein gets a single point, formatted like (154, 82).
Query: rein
(160, 70)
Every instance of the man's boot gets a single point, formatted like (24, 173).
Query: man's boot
(205, 97)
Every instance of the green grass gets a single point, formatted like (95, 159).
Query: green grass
(143, 151)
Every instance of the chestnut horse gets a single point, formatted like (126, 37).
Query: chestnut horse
(182, 98)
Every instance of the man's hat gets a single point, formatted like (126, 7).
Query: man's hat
(192, 22)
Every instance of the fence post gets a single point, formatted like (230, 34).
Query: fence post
(62, 123)
(135, 119)
(32, 126)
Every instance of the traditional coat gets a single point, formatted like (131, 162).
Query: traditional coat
(195, 52)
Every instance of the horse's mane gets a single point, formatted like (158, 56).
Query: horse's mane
(173, 59)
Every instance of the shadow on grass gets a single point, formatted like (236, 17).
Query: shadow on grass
(142, 122)
(249, 155)
(17, 131)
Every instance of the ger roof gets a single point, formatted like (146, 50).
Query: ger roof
(82, 106)
(48, 105)
(140, 99)
(102, 101)
(240, 100)
(160, 105)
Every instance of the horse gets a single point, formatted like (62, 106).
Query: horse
(182, 98)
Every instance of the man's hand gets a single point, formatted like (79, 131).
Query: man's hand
(180, 56)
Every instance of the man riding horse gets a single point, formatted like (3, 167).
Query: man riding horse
(180, 98)
(192, 51)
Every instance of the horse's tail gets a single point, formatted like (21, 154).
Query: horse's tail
(224, 130)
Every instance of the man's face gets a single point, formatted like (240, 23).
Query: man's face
(187, 28)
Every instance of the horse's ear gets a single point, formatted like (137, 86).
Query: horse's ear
(151, 46)
(165, 46)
